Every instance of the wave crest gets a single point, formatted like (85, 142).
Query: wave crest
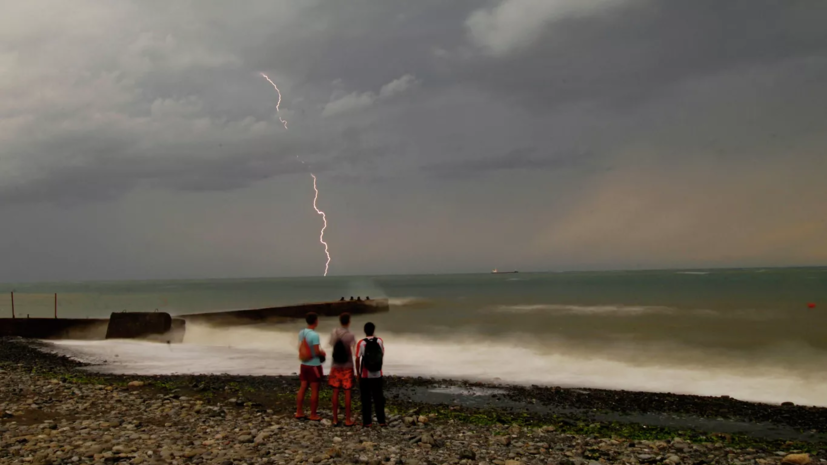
(409, 302)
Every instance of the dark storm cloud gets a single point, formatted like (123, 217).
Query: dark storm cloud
(654, 102)
(630, 53)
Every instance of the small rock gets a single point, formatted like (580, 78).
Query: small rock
(423, 419)
(245, 438)
(512, 462)
(796, 459)
(515, 429)
(337, 440)
(135, 384)
(326, 423)
(468, 454)
(501, 440)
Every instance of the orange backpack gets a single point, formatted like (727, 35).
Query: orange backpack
(305, 354)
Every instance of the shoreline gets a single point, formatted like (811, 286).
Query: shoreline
(711, 423)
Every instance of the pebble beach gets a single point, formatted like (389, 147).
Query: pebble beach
(53, 410)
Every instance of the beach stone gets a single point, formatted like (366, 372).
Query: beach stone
(501, 440)
(468, 454)
(423, 419)
(135, 384)
(245, 438)
(512, 462)
(796, 459)
(190, 453)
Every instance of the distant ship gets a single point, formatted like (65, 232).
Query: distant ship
(494, 271)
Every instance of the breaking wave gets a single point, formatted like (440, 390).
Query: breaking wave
(409, 302)
(258, 351)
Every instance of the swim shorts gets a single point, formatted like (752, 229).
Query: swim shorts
(341, 378)
(311, 374)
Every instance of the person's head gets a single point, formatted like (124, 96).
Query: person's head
(370, 328)
(344, 319)
(312, 320)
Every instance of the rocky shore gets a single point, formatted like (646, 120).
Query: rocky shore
(52, 411)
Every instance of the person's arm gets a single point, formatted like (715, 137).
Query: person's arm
(358, 360)
(318, 350)
(317, 346)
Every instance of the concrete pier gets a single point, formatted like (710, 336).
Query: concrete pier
(55, 328)
(163, 327)
(287, 313)
(157, 326)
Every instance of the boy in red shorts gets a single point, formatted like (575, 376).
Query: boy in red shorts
(341, 370)
(311, 356)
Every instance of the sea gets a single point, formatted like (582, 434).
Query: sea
(752, 334)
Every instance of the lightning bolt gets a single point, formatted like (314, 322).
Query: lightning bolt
(315, 189)
(324, 219)
(278, 104)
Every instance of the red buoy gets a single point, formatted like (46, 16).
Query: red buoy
(811, 305)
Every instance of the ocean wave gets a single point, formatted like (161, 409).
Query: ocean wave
(409, 302)
(620, 310)
(255, 351)
(693, 272)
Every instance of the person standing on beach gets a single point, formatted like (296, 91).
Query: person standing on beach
(341, 370)
(311, 373)
(370, 353)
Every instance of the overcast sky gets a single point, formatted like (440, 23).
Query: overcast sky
(138, 139)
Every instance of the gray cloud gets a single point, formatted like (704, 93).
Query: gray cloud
(685, 109)
(355, 101)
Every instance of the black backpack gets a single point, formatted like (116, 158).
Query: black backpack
(340, 353)
(372, 360)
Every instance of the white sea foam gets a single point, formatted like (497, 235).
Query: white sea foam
(256, 351)
(409, 302)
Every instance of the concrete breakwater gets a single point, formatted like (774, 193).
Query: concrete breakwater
(163, 327)
(55, 328)
(286, 313)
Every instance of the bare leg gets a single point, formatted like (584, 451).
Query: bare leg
(300, 399)
(336, 405)
(348, 415)
(314, 399)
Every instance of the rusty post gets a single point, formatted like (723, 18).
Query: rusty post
(55, 305)
(12, 304)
